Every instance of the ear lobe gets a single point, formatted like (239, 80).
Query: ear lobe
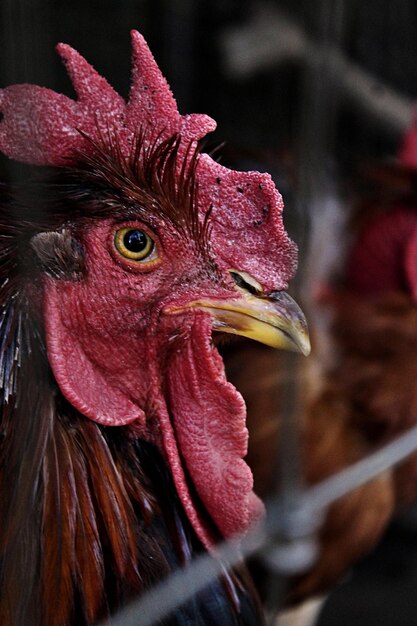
(80, 380)
(59, 254)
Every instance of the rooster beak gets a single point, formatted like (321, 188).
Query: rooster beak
(274, 319)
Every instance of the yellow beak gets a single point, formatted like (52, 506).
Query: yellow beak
(274, 319)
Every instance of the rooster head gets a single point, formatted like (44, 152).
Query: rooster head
(148, 248)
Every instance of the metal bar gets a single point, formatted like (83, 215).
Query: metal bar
(282, 525)
(255, 46)
(328, 491)
(183, 584)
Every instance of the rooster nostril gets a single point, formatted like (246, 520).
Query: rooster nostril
(245, 281)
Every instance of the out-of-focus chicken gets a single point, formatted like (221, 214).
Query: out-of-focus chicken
(330, 441)
(366, 395)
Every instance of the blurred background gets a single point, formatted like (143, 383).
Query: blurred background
(317, 92)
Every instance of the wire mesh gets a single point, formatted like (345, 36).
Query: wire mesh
(287, 536)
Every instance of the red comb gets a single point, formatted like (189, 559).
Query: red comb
(43, 127)
(247, 228)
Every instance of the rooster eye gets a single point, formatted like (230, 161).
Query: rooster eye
(134, 244)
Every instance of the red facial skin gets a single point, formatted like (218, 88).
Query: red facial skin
(118, 358)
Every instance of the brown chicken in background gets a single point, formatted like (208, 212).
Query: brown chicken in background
(330, 442)
(369, 397)
(365, 396)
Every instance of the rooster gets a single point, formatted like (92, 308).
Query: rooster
(122, 443)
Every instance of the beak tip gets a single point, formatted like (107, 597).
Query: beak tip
(306, 348)
(305, 344)
(300, 342)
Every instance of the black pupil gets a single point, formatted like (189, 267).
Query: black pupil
(135, 240)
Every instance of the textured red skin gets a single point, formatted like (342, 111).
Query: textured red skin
(247, 229)
(115, 355)
(118, 358)
(42, 127)
(216, 437)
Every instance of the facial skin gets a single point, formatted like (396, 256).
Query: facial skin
(130, 342)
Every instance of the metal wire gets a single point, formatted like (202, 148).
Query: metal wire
(254, 47)
(285, 524)
(183, 584)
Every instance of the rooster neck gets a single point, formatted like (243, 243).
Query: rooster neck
(97, 509)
